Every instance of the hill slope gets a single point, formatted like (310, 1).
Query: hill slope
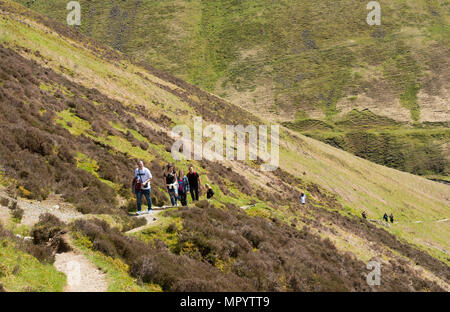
(301, 61)
(76, 115)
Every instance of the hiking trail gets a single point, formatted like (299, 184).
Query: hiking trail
(82, 275)
(150, 217)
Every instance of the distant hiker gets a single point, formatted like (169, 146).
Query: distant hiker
(303, 198)
(194, 183)
(385, 217)
(209, 191)
(183, 187)
(391, 217)
(172, 184)
(364, 215)
(141, 186)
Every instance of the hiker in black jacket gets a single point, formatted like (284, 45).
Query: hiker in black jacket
(209, 191)
(194, 183)
(385, 217)
(391, 217)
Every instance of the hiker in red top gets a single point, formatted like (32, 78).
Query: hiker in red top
(364, 215)
(194, 183)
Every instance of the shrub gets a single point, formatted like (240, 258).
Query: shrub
(49, 231)
(17, 214)
(202, 204)
(13, 205)
(194, 285)
(41, 252)
(172, 228)
(4, 201)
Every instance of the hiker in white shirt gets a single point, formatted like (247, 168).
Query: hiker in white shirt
(303, 198)
(141, 186)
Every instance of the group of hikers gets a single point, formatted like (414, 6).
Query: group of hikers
(385, 217)
(178, 185)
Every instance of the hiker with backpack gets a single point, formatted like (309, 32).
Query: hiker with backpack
(141, 186)
(209, 191)
(385, 217)
(183, 187)
(194, 183)
(172, 184)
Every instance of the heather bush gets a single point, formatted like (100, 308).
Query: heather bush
(172, 228)
(4, 201)
(49, 231)
(41, 252)
(155, 263)
(271, 255)
(13, 205)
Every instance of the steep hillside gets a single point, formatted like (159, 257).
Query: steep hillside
(301, 61)
(75, 117)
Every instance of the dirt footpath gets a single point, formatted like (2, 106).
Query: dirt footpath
(82, 275)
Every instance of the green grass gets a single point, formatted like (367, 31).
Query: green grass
(90, 165)
(409, 100)
(307, 50)
(73, 123)
(22, 272)
(158, 230)
(53, 88)
(78, 126)
(384, 141)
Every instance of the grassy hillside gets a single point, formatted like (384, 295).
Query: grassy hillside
(76, 115)
(291, 60)
(421, 150)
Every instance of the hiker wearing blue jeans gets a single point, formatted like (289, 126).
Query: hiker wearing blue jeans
(141, 186)
(172, 184)
(146, 194)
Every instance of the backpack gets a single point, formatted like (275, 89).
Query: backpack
(137, 185)
(210, 193)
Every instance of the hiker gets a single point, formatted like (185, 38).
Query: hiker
(141, 186)
(183, 187)
(391, 217)
(303, 198)
(364, 215)
(209, 191)
(194, 183)
(172, 185)
(385, 217)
